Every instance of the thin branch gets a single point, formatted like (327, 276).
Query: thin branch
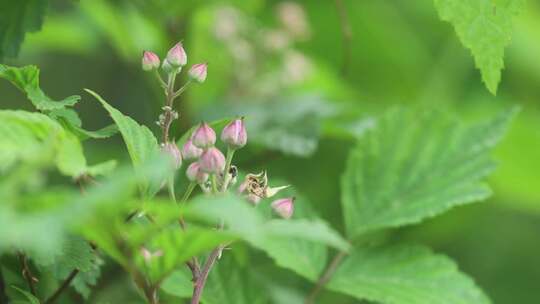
(27, 273)
(346, 35)
(201, 281)
(325, 277)
(62, 287)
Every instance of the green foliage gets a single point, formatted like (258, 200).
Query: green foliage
(415, 165)
(141, 143)
(484, 27)
(26, 79)
(30, 297)
(25, 136)
(16, 19)
(404, 275)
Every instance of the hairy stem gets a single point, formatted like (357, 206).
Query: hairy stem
(27, 273)
(201, 281)
(346, 35)
(325, 277)
(62, 287)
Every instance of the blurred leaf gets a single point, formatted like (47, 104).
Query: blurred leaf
(417, 165)
(229, 283)
(30, 297)
(484, 27)
(103, 168)
(179, 283)
(141, 143)
(283, 240)
(404, 275)
(173, 247)
(26, 79)
(23, 134)
(16, 19)
(302, 256)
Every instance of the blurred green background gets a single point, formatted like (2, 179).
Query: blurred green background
(309, 76)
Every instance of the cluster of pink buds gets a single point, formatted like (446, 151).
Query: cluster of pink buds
(209, 160)
(209, 167)
(175, 60)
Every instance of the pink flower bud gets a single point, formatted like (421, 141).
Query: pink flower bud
(173, 152)
(177, 56)
(195, 174)
(234, 134)
(204, 137)
(212, 161)
(284, 207)
(198, 72)
(150, 61)
(190, 152)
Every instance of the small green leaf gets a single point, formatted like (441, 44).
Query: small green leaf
(484, 27)
(30, 297)
(17, 19)
(404, 275)
(71, 121)
(103, 168)
(416, 165)
(27, 80)
(141, 143)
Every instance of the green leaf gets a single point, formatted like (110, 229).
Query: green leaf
(25, 135)
(26, 79)
(404, 275)
(71, 121)
(16, 19)
(30, 297)
(415, 165)
(141, 143)
(485, 28)
(229, 283)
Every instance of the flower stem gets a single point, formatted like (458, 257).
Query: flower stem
(188, 192)
(201, 281)
(62, 287)
(27, 273)
(325, 277)
(226, 178)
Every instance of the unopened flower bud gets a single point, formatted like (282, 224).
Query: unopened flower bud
(173, 152)
(234, 134)
(190, 151)
(195, 174)
(150, 61)
(212, 161)
(177, 56)
(204, 137)
(198, 72)
(284, 207)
